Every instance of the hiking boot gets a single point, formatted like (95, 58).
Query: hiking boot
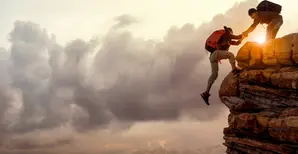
(236, 71)
(205, 97)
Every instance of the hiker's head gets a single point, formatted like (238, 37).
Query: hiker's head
(252, 13)
(228, 29)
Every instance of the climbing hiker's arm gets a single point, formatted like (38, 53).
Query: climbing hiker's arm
(235, 42)
(237, 37)
(251, 28)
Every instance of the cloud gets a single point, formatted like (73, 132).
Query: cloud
(124, 21)
(108, 84)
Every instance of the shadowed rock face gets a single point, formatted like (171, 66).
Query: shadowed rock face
(263, 99)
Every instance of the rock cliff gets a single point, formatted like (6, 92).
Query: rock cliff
(263, 99)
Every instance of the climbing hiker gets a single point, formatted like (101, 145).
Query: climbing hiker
(218, 44)
(266, 13)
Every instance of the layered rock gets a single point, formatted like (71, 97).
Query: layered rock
(263, 99)
(275, 53)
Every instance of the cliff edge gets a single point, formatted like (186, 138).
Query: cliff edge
(263, 99)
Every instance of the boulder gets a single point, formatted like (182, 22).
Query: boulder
(263, 99)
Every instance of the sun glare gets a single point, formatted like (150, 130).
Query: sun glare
(260, 39)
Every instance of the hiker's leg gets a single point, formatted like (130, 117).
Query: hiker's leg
(232, 60)
(274, 33)
(228, 55)
(214, 57)
(273, 27)
(269, 32)
(213, 76)
(277, 24)
(214, 70)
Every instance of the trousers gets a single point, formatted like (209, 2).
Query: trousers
(273, 28)
(214, 57)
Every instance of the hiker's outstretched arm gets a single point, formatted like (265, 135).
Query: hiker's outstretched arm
(237, 37)
(235, 42)
(252, 27)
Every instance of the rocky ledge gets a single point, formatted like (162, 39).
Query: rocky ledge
(263, 99)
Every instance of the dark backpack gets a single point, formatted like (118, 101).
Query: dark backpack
(213, 40)
(266, 5)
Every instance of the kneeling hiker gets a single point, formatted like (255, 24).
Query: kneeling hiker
(218, 45)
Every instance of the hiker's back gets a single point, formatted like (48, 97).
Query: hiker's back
(214, 40)
(268, 10)
(268, 6)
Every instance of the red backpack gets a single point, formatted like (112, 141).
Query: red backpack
(213, 40)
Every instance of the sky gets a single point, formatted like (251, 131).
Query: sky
(109, 77)
(71, 19)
